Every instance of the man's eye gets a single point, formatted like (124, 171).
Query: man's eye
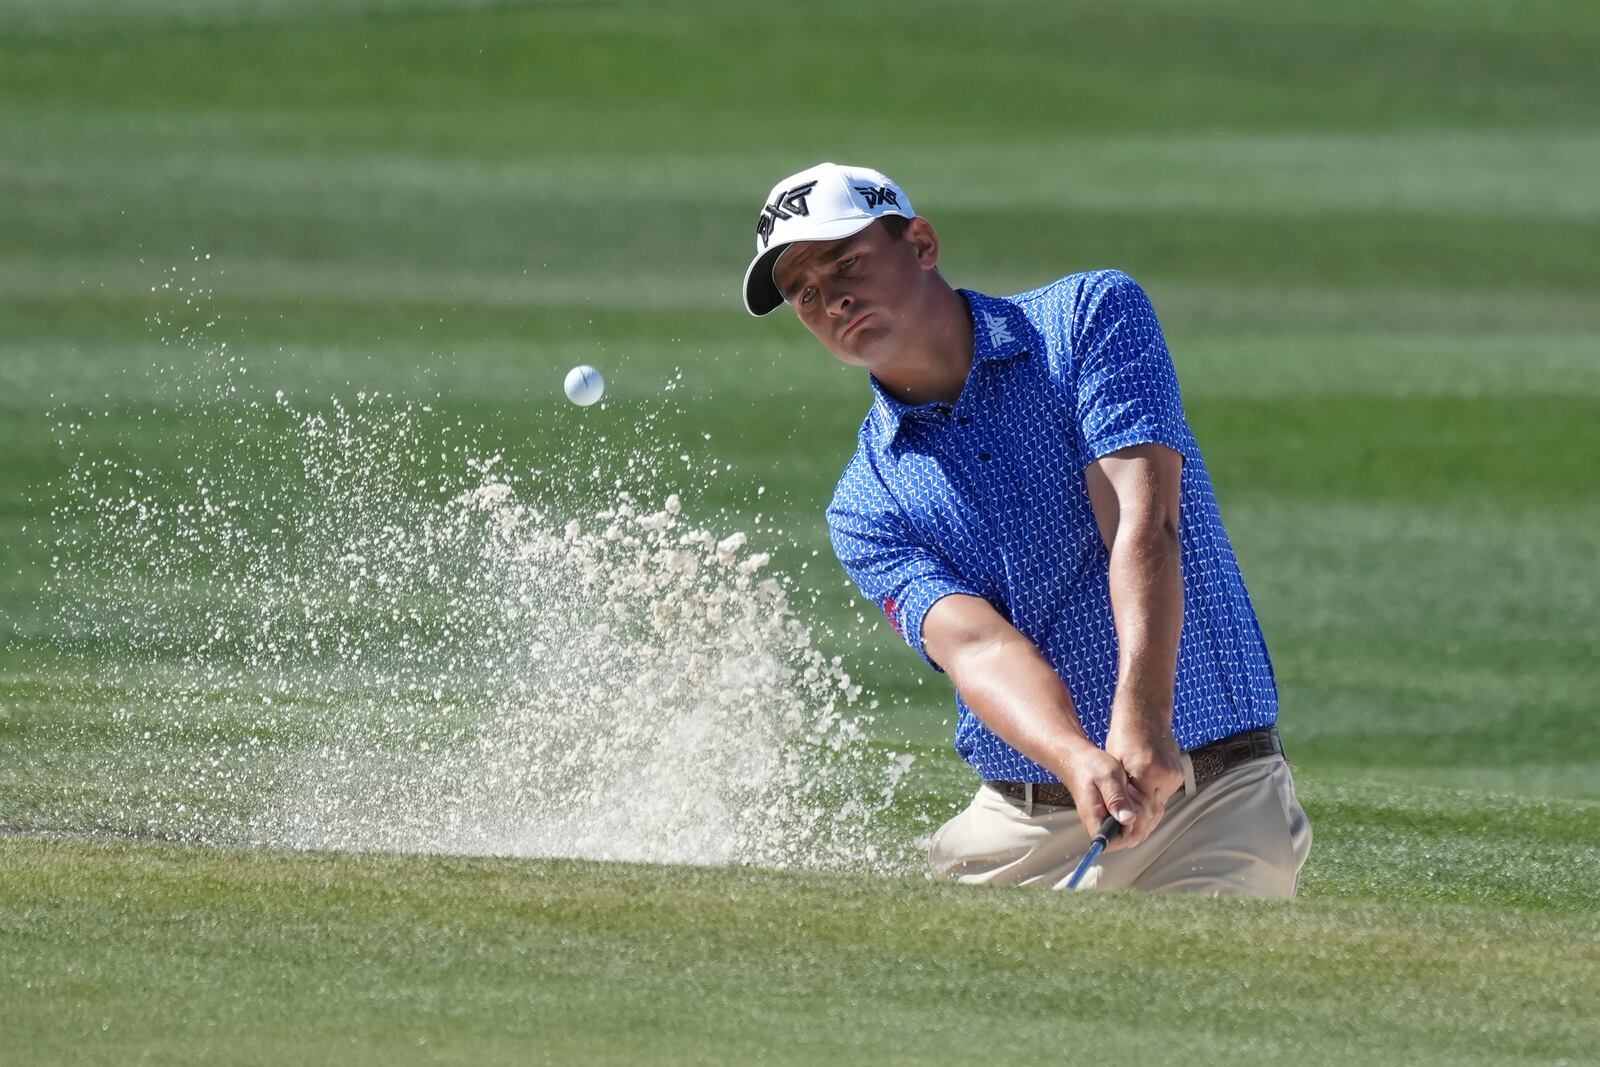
(847, 262)
(806, 294)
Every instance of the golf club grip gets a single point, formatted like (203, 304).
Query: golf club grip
(1109, 828)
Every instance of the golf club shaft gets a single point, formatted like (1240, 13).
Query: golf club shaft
(1109, 828)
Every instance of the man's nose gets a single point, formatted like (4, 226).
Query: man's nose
(838, 300)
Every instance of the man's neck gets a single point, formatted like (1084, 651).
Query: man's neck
(936, 369)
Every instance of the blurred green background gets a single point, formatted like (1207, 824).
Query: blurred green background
(1371, 230)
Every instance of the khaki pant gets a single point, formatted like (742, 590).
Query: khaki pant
(1242, 833)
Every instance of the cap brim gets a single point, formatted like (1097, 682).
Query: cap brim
(761, 295)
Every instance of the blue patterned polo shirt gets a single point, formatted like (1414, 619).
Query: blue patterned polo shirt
(987, 497)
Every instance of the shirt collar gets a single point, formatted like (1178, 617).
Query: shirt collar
(1000, 331)
(999, 328)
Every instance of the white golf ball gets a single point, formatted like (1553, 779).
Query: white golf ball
(584, 385)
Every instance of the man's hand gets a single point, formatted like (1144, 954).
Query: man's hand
(1101, 786)
(1150, 757)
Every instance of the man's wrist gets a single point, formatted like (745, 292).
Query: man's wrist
(1072, 747)
(1146, 719)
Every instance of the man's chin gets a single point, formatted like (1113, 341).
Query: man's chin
(860, 345)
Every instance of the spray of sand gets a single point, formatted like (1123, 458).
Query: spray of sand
(350, 627)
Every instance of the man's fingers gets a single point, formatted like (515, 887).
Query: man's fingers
(1150, 809)
(1092, 815)
(1124, 801)
(1146, 824)
(1122, 798)
(1106, 798)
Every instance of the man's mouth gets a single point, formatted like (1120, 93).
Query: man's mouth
(857, 321)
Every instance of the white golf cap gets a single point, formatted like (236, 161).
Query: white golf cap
(823, 203)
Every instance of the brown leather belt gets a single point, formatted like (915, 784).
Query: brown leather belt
(1211, 761)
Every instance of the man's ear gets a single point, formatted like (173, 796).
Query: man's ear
(920, 234)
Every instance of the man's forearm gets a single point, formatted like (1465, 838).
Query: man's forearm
(1015, 692)
(1147, 601)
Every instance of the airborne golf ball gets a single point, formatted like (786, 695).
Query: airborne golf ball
(584, 385)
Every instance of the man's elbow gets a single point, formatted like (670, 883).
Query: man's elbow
(1149, 542)
(1163, 530)
(960, 631)
(973, 653)
(1155, 527)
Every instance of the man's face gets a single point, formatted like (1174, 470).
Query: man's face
(859, 295)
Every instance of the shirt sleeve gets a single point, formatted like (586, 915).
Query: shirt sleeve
(1127, 387)
(878, 549)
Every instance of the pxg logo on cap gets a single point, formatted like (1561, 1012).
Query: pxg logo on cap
(824, 203)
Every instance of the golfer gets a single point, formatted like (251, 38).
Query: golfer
(1030, 511)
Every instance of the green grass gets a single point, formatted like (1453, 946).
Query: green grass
(1370, 230)
(259, 957)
